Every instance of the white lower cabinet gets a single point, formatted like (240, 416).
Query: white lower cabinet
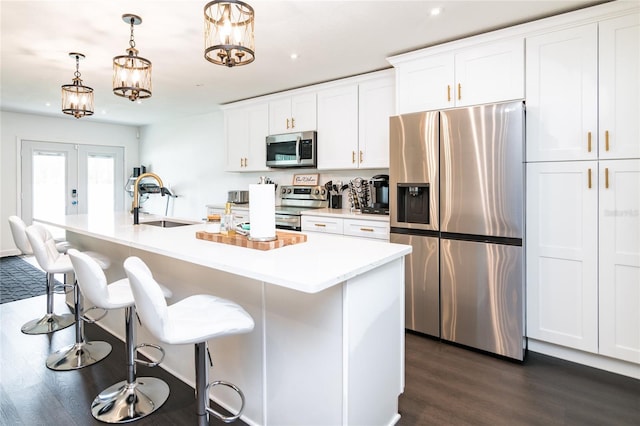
(583, 256)
(562, 254)
(619, 275)
(361, 228)
(329, 225)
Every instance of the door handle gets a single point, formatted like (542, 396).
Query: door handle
(589, 178)
(448, 93)
(606, 140)
(459, 91)
(606, 178)
(589, 142)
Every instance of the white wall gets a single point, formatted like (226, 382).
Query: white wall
(189, 156)
(16, 126)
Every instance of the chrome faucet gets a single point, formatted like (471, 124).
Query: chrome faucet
(136, 190)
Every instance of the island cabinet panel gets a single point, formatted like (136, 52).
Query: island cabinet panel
(293, 113)
(483, 73)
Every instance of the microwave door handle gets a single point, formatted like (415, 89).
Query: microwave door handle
(298, 150)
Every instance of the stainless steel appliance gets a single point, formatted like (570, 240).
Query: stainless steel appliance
(456, 193)
(295, 199)
(238, 197)
(292, 150)
(379, 195)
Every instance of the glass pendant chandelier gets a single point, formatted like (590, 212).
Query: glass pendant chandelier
(228, 33)
(77, 99)
(132, 73)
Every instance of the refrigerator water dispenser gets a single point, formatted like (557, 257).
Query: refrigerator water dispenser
(413, 203)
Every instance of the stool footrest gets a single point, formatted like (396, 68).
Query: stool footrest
(90, 320)
(63, 288)
(226, 419)
(150, 363)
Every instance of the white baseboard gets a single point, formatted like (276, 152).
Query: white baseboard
(592, 360)
(10, 252)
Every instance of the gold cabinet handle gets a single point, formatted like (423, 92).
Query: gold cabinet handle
(448, 93)
(459, 91)
(287, 123)
(366, 229)
(589, 142)
(589, 178)
(320, 225)
(293, 123)
(245, 162)
(361, 157)
(241, 162)
(353, 157)
(606, 177)
(606, 140)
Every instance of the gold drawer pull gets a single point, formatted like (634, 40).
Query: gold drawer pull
(589, 142)
(361, 158)
(606, 140)
(353, 157)
(589, 178)
(287, 123)
(448, 93)
(459, 91)
(367, 229)
(293, 123)
(320, 225)
(606, 177)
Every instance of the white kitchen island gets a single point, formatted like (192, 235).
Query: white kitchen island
(328, 345)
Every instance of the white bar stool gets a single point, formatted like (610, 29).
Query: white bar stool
(50, 322)
(136, 397)
(193, 320)
(81, 353)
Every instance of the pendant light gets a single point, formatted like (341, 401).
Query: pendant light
(132, 73)
(228, 33)
(77, 99)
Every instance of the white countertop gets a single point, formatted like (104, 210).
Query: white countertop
(345, 214)
(321, 262)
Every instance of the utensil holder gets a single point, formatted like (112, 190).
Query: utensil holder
(336, 202)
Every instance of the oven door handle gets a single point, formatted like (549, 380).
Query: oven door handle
(298, 149)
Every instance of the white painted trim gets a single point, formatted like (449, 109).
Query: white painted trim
(528, 29)
(592, 360)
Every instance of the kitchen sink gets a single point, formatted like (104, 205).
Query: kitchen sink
(165, 223)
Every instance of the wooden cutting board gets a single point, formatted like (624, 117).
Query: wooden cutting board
(283, 239)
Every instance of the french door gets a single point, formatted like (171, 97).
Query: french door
(60, 179)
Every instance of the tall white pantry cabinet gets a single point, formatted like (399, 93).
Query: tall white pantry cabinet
(583, 187)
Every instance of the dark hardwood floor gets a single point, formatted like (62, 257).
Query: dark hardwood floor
(445, 384)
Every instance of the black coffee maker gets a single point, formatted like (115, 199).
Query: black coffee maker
(379, 195)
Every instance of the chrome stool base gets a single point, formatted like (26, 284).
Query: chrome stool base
(78, 355)
(48, 324)
(125, 402)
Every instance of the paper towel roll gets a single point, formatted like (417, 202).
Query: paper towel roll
(262, 212)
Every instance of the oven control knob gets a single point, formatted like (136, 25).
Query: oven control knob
(316, 192)
(288, 190)
(283, 190)
(323, 191)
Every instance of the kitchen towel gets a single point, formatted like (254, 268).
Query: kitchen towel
(262, 212)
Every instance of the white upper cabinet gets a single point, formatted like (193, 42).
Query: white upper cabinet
(490, 73)
(583, 92)
(295, 113)
(376, 99)
(338, 127)
(353, 123)
(619, 253)
(425, 84)
(562, 95)
(485, 73)
(246, 129)
(619, 43)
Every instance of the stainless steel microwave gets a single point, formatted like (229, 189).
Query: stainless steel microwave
(292, 150)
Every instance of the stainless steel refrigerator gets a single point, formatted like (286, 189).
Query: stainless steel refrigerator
(456, 195)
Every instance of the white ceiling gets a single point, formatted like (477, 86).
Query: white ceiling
(333, 39)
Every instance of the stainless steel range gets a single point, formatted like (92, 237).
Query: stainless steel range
(295, 199)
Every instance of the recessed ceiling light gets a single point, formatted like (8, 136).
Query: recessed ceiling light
(294, 56)
(435, 11)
